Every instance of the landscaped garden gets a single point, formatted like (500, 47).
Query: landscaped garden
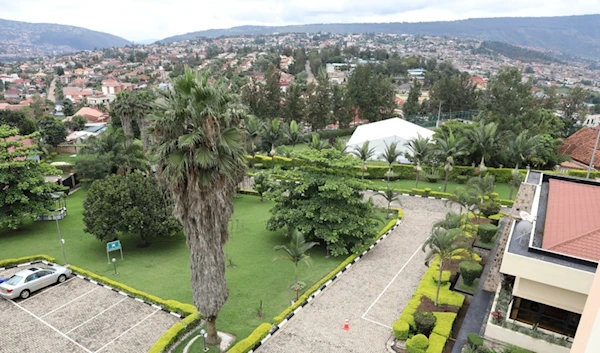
(163, 268)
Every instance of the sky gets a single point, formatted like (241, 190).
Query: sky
(156, 19)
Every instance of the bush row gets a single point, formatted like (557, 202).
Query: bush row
(249, 342)
(426, 192)
(24, 259)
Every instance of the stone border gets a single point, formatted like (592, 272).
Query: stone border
(322, 288)
(179, 316)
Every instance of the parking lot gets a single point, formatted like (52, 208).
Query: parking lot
(78, 316)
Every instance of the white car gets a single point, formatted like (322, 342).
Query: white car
(25, 282)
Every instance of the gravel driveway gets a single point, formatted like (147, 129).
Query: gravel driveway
(371, 294)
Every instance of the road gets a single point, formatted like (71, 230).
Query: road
(311, 77)
(50, 91)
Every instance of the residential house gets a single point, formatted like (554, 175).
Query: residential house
(549, 254)
(101, 100)
(112, 86)
(93, 115)
(580, 147)
(592, 120)
(12, 95)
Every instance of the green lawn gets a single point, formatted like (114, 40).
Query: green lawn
(502, 189)
(64, 157)
(163, 268)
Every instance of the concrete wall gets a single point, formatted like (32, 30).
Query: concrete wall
(549, 295)
(587, 338)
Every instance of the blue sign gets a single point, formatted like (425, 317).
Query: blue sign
(113, 245)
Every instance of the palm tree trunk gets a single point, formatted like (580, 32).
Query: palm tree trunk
(143, 124)
(446, 181)
(296, 280)
(127, 124)
(205, 215)
(439, 284)
(362, 170)
(212, 339)
(417, 180)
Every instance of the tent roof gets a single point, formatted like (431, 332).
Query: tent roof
(387, 128)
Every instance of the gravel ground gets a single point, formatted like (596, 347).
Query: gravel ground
(371, 294)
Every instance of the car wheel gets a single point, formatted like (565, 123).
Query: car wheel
(25, 294)
(62, 278)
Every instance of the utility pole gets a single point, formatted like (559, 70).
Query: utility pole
(437, 123)
(593, 153)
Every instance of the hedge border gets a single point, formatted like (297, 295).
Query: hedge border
(280, 320)
(190, 317)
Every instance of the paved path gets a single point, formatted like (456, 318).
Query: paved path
(50, 91)
(311, 77)
(371, 294)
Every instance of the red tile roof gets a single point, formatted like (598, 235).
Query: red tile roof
(580, 146)
(572, 224)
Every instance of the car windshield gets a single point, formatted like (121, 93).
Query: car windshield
(14, 280)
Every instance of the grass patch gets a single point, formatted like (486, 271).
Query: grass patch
(503, 190)
(196, 347)
(64, 157)
(460, 285)
(163, 268)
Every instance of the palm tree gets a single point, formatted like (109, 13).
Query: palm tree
(390, 196)
(316, 143)
(448, 148)
(296, 252)
(340, 145)
(515, 181)
(482, 187)
(443, 244)
(124, 158)
(364, 153)
(127, 107)
(198, 134)
(451, 220)
(418, 151)
(272, 133)
(521, 149)
(293, 134)
(485, 138)
(253, 127)
(391, 155)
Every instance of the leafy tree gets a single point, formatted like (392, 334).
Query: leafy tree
(390, 196)
(68, 109)
(418, 151)
(443, 244)
(18, 120)
(391, 153)
(412, 107)
(77, 123)
(319, 105)
(448, 148)
(451, 220)
(484, 139)
(343, 112)
(254, 127)
(515, 181)
(131, 109)
(296, 251)
(272, 93)
(199, 152)
(316, 143)
(133, 204)
(53, 130)
(263, 183)
(60, 71)
(371, 93)
(293, 134)
(364, 153)
(573, 105)
(522, 147)
(326, 203)
(455, 92)
(294, 107)
(25, 193)
(271, 134)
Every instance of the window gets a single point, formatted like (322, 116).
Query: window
(31, 277)
(545, 316)
(14, 280)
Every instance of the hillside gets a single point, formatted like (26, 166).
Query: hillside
(575, 35)
(514, 52)
(23, 39)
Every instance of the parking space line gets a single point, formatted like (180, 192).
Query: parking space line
(95, 316)
(52, 327)
(129, 329)
(46, 290)
(69, 302)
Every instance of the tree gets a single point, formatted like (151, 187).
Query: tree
(53, 130)
(25, 193)
(254, 127)
(451, 220)
(319, 105)
(371, 93)
(390, 196)
(293, 134)
(391, 153)
(364, 153)
(131, 109)
(412, 107)
(272, 92)
(448, 148)
(484, 139)
(294, 107)
(133, 204)
(262, 183)
(296, 252)
(77, 123)
(443, 244)
(343, 112)
(323, 200)
(18, 120)
(418, 150)
(199, 152)
(573, 105)
(316, 143)
(522, 147)
(271, 134)
(68, 109)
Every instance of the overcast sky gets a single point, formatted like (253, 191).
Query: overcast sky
(157, 19)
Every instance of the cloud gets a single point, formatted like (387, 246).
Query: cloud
(142, 19)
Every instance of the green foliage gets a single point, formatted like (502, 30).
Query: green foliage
(18, 120)
(401, 330)
(489, 208)
(322, 199)
(296, 251)
(133, 204)
(24, 259)
(495, 218)
(487, 232)
(474, 340)
(371, 93)
(77, 123)
(425, 321)
(263, 183)
(53, 130)
(417, 344)
(444, 323)
(470, 271)
(436, 343)
(25, 191)
(514, 52)
(247, 343)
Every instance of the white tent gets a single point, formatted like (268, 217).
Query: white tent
(382, 133)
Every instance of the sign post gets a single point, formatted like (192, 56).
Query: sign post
(113, 246)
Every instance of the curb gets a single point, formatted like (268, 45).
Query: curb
(429, 197)
(322, 288)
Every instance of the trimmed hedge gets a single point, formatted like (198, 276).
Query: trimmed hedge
(425, 321)
(249, 342)
(487, 232)
(436, 343)
(401, 330)
(443, 324)
(417, 344)
(247, 192)
(495, 218)
(24, 259)
(175, 333)
(470, 271)
(582, 173)
(474, 340)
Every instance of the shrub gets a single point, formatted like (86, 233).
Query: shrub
(401, 329)
(487, 232)
(20, 260)
(443, 324)
(249, 342)
(417, 344)
(445, 276)
(436, 343)
(489, 208)
(470, 271)
(433, 178)
(462, 179)
(495, 218)
(427, 191)
(425, 322)
(474, 340)
(515, 349)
